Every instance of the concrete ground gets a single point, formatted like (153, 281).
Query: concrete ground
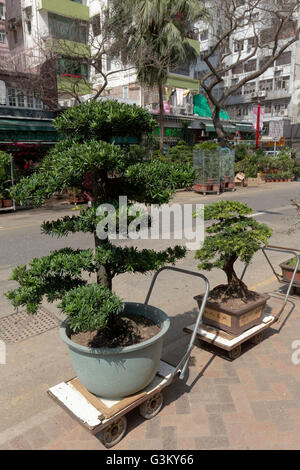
(252, 402)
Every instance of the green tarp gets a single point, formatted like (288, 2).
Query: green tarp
(202, 108)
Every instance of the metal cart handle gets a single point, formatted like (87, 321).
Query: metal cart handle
(184, 361)
(283, 250)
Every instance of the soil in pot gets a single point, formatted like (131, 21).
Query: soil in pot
(126, 331)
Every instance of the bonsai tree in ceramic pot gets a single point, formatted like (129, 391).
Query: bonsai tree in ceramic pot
(113, 359)
(232, 236)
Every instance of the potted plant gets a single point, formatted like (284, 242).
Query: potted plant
(232, 236)
(288, 267)
(115, 346)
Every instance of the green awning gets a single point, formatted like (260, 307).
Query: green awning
(27, 130)
(244, 127)
(227, 128)
(210, 127)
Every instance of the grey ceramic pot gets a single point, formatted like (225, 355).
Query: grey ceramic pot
(119, 372)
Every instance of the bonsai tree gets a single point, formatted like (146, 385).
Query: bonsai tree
(232, 236)
(88, 160)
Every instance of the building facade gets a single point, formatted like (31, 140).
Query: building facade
(53, 32)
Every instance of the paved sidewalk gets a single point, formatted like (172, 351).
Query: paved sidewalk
(250, 403)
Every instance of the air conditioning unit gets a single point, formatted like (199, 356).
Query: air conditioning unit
(262, 93)
(278, 69)
(254, 94)
(3, 18)
(284, 112)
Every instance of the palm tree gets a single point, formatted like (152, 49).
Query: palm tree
(152, 35)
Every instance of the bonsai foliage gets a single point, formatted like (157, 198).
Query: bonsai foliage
(233, 236)
(87, 161)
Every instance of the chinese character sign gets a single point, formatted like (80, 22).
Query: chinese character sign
(254, 118)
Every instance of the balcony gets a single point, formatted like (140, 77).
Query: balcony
(67, 8)
(278, 94)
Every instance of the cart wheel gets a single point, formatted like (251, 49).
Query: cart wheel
(257, 338)
(114, 433)
(235, 353)
(152, 406)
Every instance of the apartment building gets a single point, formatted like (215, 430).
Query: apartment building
(53, 34)
(4, 50)
(277, 88)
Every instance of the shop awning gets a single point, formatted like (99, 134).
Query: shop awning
(244, 127)
(227, 127)
(27, 130)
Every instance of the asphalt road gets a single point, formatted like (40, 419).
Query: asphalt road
(21, 238)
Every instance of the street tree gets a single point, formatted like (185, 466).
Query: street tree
(153, 36)
(269, 27)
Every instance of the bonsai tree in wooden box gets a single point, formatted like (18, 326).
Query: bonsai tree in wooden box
(232, 236)
(115, 346)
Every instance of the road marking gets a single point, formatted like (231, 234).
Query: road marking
(263, 283)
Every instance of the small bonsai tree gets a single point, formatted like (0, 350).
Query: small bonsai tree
(86, 160)
(233, 236)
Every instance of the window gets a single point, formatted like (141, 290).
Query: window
(249, 88)
(282, 83)
(250, 66)
(12, 99)
(237, 69)
(21, 100)
(284, 59)
(30, 99)
(266, 85)
(239, 46)
(125, 92)
(69, 66)
(96, 25)
(2, 37)
(264, 60)
(1, 10)
(268, 108)
(61, 27)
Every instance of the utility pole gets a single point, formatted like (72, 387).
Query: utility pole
(258, 124)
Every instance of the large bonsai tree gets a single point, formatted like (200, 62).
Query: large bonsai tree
(88, 160)
(233, 236)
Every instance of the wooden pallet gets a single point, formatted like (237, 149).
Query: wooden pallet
(95, 413)
(224, 340)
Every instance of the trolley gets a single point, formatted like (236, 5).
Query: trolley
(108, 417)
(232, 345)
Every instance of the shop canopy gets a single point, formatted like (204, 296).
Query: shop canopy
(28, 130)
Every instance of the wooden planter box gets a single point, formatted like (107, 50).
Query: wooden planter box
(7, 202)
(234, 322)
(287, 273)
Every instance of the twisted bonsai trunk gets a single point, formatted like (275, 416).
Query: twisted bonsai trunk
(235, 285)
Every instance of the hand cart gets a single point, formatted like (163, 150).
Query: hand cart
(233, 344)
(107, 416)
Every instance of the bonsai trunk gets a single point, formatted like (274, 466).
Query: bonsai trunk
(104, 276)
(161, 117)
(219, 127)
(235, 285)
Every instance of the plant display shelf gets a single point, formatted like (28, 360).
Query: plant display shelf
(107, 418)
(233, 344)
(13, 206)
